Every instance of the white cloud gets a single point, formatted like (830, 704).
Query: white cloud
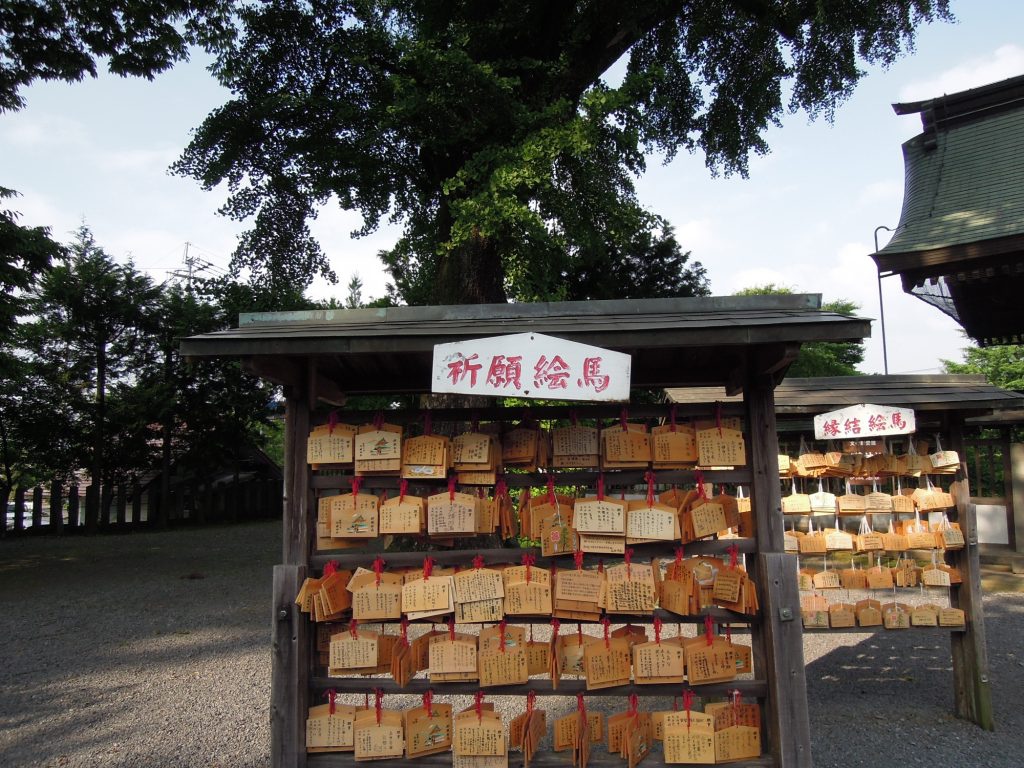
(889, 190)
(1006, 61)
(36, 131)
(695, 234)
(150, 161)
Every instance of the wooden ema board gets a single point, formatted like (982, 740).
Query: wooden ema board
(472, 596)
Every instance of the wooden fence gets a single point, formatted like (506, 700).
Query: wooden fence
(62, 509)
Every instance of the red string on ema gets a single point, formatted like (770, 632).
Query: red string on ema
(708, 627)
(428, 701)
(428, 567)
(332, 696)
(528, 561)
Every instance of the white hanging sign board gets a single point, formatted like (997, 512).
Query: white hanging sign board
(861, 422)
(531, 365)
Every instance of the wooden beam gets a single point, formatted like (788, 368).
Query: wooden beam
(788, 722)
(777, 643)
(972, 690)
(297, 491)
(280, 370)
(289, 670)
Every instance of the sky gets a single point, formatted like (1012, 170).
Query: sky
(98, 152)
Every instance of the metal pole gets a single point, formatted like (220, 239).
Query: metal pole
(881, 304)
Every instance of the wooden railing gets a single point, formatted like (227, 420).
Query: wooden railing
(60, 509)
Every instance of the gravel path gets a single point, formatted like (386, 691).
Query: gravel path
(153, 650)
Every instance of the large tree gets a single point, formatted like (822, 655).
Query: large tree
(819, 358)
(1001, 365)
(55, 40)
(494, 131)
(91, 317)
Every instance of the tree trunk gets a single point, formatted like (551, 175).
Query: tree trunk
(471, 274)
(165, 451)
(92, 509)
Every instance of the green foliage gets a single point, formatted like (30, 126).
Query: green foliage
(92, 377)
(1002, 366)
(819, 358)
(25, 252)
(64, 41)
(489, 130)
(90, 321)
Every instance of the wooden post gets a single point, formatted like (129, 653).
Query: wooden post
(1017, 496)
(122, 506)
(778, 640)
(92, 507)
(37, 509)
(73, 506)
(19, 509)
(155, 509)
(297, 490)
(136, 506)
(289, 675)
(106, 502)
(56, 509)
(972, 690)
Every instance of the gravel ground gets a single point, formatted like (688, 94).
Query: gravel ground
(153, 650)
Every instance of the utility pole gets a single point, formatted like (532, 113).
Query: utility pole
(881, 305)
(191, 264)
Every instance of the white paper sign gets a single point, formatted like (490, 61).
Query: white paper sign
(861, 422)
(531, 365)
